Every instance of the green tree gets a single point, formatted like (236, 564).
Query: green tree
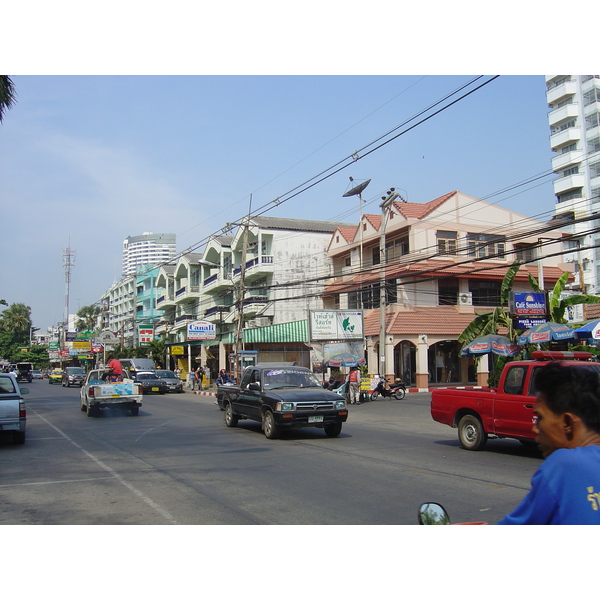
(87, 317)
(157, 351)
(488, 323)
(16, 320)
(8, 95)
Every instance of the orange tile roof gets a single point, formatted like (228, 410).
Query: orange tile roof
(431, 320)
(348, 233)
(417, 210)
(375, 220)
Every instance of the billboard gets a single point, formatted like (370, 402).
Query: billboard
(528, 304)
(327, 325)
(201, 330)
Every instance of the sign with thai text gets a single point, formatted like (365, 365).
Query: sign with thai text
(336, 325)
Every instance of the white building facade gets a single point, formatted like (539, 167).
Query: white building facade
(147, 249)
(574, 119)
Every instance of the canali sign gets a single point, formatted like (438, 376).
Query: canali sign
(201, 330)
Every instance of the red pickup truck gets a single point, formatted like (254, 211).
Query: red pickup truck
(505, 412)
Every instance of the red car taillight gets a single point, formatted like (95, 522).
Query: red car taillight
(22, 410)
(91, 391)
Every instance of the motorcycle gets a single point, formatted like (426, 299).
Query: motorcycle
(397, 390)
(432, 513)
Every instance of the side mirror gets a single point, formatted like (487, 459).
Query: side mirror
(254, 386)
(24, 390)
(432, 513)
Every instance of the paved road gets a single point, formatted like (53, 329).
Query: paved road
(177, 463)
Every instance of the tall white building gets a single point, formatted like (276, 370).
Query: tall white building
(147, 249)
(574, 119)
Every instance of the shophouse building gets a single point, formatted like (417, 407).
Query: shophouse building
(574, 119)
(443, 262)
(256, 285)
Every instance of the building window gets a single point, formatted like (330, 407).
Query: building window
(595, 170)
(376, 257)
(569, 196)
(446, 242)
(485, 293)
(482, 245)
(447, 292)
(394, 249)
(592, 96)
(348, 261)
(569, 148)
(525, 252)
(594, 145)
(564, 126)
(592, 120)
(572, 171)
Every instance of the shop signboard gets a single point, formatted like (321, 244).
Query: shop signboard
(201, 330)
(528, 304)
(339, 325)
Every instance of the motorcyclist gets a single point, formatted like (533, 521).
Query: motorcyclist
(224, 378)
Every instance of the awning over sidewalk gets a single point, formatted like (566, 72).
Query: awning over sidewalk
(282, 332)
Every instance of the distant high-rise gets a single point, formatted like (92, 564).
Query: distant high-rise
(574, 119)
(147, 249)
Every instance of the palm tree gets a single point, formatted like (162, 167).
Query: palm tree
(7, 94)
(16, 320)
(87, 317)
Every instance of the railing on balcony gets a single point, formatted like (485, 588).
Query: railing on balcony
(215, 309)
(180, 291)
(211, 279)
(184, 318)
(255, 300)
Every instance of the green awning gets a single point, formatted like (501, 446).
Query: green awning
(282, 332)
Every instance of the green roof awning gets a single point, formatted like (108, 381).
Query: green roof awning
(282, 332)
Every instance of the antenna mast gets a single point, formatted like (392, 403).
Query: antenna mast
(68, 263)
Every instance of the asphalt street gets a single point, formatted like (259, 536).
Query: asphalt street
(177, 463)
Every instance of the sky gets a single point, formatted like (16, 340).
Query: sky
(89, 160)
(169, 122)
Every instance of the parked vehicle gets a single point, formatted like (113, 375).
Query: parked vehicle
(504, 412)
(37, 374)
(96, 394)
(173, 382)
(396, 391)
(24, 371)
(73, 376)
(282, 396)
(55, 376)
(151, 383)
(13, 413)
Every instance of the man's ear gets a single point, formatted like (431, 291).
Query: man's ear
(569, 424)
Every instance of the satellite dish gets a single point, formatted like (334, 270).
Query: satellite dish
(357, 189)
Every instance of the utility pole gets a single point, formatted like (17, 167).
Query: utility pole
(385, 204)
(241, 292)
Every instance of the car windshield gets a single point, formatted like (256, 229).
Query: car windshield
(295, 378)
(146, 376)
(166, 374)
(76, 370)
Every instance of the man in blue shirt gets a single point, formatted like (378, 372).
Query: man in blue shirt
(565, 490)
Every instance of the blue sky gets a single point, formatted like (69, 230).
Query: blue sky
(90, 160)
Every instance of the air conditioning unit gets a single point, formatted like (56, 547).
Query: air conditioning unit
(251, 323)
(465, 299)
(262, 321)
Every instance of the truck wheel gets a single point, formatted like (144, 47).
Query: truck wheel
(333, 430)
(471, 434)
(270, 427)
(231, 420)
(82, 406)
(135, 411)
(18, 437)
(92, 411)
(399, 394)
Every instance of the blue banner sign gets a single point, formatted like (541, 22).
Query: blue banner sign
(528, 304)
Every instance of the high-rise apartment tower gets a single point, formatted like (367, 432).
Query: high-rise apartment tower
(147, 249)
(574, 118)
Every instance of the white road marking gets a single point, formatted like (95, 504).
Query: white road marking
(114, 474)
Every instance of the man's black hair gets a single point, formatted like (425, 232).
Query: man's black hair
(569, 388)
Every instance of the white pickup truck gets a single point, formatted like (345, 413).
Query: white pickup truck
(13, 414)
(96, 394)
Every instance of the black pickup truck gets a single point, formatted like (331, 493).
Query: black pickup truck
(282, 396)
